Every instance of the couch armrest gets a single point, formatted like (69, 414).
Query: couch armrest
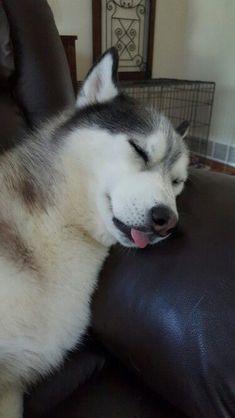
(168, 312)
(78, 368)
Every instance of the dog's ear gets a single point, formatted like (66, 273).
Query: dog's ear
(183, 129)
(101, 82)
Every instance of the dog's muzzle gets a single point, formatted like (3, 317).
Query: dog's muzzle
(162, 221)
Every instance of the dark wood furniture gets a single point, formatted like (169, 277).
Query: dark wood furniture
(219, 167)
(69, 43)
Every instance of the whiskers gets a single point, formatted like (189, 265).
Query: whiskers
(120, 249)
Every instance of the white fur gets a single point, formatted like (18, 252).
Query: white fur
(157, 146)
(98, 86)
(44, 301)
(11, 403)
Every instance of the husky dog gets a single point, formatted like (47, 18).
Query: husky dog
(107, 171)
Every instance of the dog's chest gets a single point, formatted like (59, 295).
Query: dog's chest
(43, 315)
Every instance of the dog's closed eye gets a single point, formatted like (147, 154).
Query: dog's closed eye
(139, 151)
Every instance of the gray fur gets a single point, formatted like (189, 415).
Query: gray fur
(31, 170)
(14, 248)
(126, 115)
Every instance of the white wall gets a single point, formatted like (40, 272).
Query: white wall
(74, 17)
(194, 39)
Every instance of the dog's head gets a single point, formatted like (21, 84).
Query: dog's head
(138, 160)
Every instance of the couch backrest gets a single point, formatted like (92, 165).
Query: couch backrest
(35, 82)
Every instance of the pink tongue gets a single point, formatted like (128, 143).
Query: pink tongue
(140, 238)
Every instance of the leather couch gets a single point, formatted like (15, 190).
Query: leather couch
(162, 338)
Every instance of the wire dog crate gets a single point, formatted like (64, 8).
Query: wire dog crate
(179, 100)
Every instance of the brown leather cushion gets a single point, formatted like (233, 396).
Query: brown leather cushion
(43, 84)
(54, 390)
(168, 311)
(6, 50)
(114, 393)
(34, 76)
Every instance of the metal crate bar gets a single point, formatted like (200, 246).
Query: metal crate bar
(179, 100)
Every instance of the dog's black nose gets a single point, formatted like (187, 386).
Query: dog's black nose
(163, 219)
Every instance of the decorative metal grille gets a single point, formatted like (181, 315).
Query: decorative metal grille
(125, 26)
